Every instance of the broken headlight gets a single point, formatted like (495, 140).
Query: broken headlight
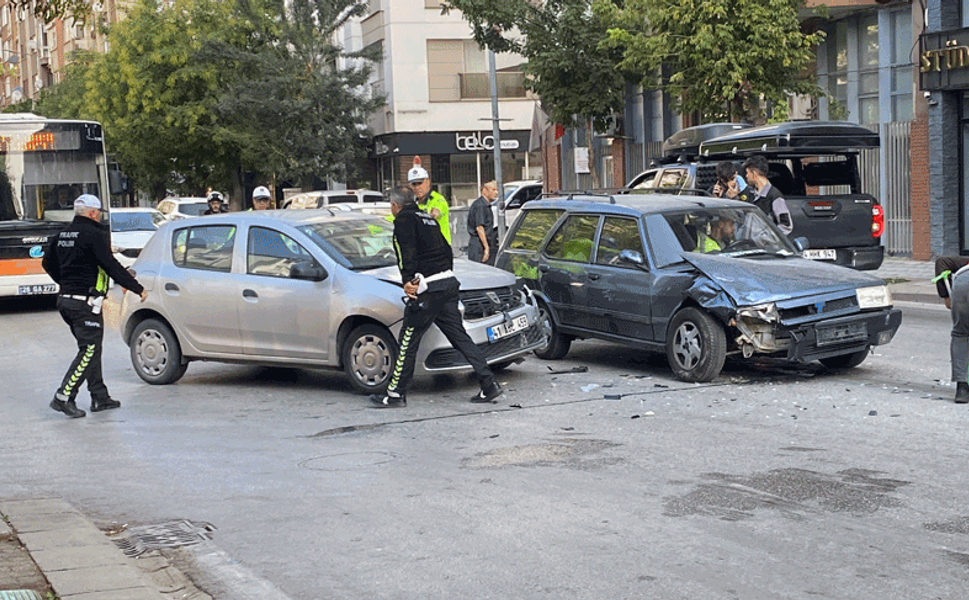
(874, 297)
(761, 312)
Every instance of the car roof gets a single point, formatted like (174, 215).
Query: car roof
(633, 203)
(124, 209)
(293, 218)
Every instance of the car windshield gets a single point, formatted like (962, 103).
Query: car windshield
(728, 232)
(136, 221)
(510, 189)
(195, 208)
(359, 243)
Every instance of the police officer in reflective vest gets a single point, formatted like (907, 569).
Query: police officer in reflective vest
(425, 262)
(80, 260)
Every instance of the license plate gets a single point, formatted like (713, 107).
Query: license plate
(839, 334)
(497, 332)
(820, 254)
(32, 290)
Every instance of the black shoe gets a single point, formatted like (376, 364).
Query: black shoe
(962, 393)
(67, 407)
(488, 394)
(388, 401)
(106, 403)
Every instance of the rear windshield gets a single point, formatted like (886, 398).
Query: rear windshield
(136, 221)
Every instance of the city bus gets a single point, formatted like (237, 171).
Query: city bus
(44, 165)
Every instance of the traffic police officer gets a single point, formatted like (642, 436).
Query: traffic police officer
(80, 260)
(425, 262)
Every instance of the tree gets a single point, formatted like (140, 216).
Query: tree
(723, 57)
(48, 10)
(293, 100)
(575, 76)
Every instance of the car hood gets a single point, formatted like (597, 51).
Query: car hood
(130, 239)
(473, 276)
(759, 280)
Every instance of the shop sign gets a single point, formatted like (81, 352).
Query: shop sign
(944, 60)
(476, 142)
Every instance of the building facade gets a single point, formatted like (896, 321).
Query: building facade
(435, 79)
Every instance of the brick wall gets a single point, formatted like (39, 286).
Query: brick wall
(406, 163)
(553, 167)
(619, 175)
(920, 188)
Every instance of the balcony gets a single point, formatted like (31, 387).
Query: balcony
(475, 86)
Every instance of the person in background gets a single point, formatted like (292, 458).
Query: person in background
(483, 242)
(429, 201)
(79, 259)
(952, 284)
(729, 182)
(261, 198)
(215, 200)
(425, 261)
(765, 196)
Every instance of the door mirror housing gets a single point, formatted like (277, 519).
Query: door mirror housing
(632, 257)
(308, 270)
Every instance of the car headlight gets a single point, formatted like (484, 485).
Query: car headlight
(762, 312)
(874, 297)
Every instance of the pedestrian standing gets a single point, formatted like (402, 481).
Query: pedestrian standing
(79, 259)
(952, 284)
(425, 262)
(428, 200)
(261, 198)
(215, 200)
(483, 241)
(762, 193)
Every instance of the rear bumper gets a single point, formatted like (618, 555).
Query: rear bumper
(861, 258)
(836, 337)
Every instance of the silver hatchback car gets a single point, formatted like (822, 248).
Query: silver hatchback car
(305, 289)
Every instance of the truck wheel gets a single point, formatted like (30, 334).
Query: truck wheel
(556, 344)
(155, 353)
(368, 358)
(696, 346)
(845, 361)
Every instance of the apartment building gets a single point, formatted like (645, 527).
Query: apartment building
(435, 79)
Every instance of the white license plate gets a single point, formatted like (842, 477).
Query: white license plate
(497, 332)
(820, 254)
(32, 290)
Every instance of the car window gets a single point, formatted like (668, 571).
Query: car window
(645, 180)
(373, 198)
(133, 221)
(355, 243)
(194, 208)
(728, 232)
(273, 253)
(672, 179)
(618, 234)
(533, 228)
(208, 247)
(573, 240)
(340, 199)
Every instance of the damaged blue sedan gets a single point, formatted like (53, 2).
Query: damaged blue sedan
(696, 278)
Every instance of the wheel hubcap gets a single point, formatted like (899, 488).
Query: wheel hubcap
(371, 359)
(687, 349)
(151, 352)
(545, 324)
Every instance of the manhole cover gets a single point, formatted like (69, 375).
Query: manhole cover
(349, 461)
(174, 534)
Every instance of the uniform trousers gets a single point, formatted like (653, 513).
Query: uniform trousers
(959, 345)
(87, 326)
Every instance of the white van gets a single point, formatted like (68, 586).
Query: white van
(321, 198)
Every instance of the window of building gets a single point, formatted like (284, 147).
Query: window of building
(458, 70)
(868, 70)
(903, 74)
(837, 67)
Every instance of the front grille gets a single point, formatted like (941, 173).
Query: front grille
(449, 357)
(820, 308)
(479, 304)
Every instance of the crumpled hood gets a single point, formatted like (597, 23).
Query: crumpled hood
(473, 276)
(758, 280)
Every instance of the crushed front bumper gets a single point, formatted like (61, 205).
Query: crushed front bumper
(844, 335)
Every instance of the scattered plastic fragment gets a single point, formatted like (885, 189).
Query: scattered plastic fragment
(590, 387)
(579, 369)
(873, 413)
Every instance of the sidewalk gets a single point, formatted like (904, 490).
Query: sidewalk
(46, 541)
(910, 280)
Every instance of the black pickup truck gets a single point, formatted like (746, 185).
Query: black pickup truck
(813, 163)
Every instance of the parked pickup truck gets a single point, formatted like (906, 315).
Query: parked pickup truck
(813, 163)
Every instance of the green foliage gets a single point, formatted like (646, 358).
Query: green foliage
(48, 10)
(723, 56)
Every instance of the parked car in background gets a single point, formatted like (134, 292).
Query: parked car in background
(175, 209)
(696, 278)
(517, 193)
(316, 288)
(319, 199)
(131, 228)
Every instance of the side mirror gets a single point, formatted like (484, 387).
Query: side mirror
(801, 243)
(308, 270)
(632, 256)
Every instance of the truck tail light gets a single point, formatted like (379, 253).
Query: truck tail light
(877, 221)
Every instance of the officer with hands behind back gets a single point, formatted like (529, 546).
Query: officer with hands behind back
(79, 259)
(425, 262)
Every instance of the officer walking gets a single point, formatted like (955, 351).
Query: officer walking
(80, 260)
(425, 262)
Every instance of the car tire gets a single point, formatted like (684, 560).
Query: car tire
(696, 346)
(557, 344)
(368, 358)
(156, 354)
(845, 361)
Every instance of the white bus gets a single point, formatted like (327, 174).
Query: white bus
(44, 165)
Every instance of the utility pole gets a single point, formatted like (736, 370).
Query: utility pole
(496, 133)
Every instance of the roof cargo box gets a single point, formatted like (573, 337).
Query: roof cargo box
(687, 141)
(794, 138)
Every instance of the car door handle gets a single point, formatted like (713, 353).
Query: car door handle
(249, 294)
(171, 287)
(593, 276)
(543, 268)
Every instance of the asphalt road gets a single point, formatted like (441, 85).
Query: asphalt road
(771, 482)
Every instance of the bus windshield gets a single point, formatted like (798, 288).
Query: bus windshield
(46, 164)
